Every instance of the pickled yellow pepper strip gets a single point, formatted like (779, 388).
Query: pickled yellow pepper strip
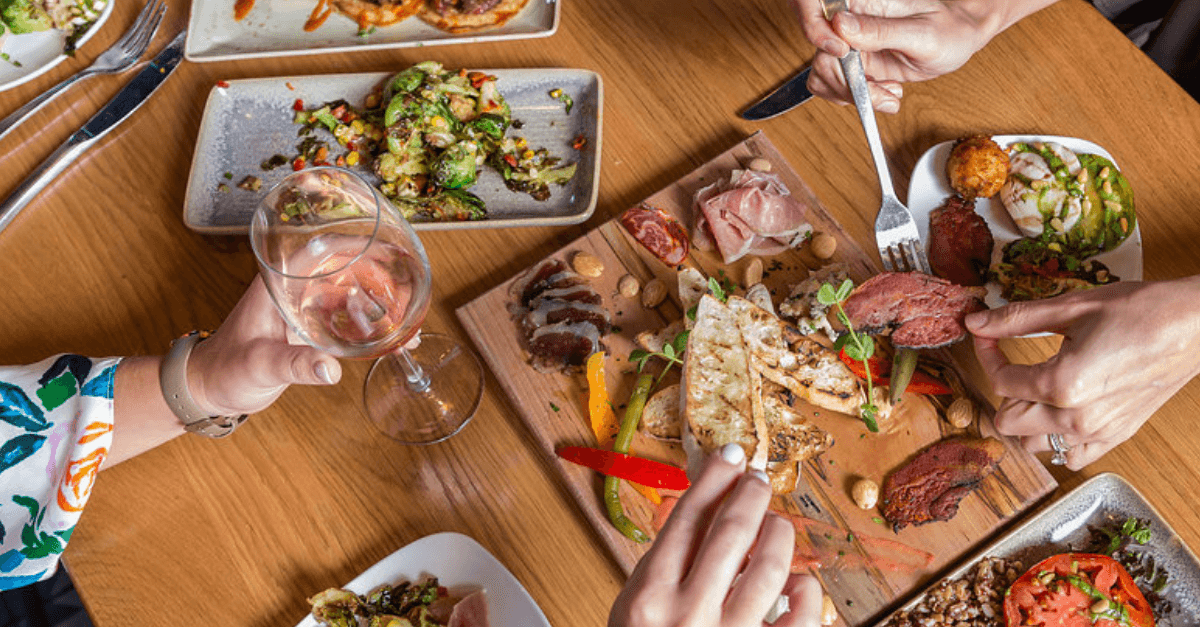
(604, 420)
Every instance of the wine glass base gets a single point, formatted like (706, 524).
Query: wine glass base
(434, 411)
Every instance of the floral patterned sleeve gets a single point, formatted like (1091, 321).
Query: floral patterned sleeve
(56, 422)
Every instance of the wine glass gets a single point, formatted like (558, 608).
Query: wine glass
(351, 278)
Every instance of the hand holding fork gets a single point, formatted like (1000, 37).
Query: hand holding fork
(118, 58)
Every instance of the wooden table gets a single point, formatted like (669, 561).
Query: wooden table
(239, 532)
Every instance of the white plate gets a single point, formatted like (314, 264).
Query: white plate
(250, 120)
(929, 188)
(1101, 500)
(275, 28)
(38, 53)
(460, 564)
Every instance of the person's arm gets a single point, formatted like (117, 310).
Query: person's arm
(241, 369)
(1127, 348)
(902, 40)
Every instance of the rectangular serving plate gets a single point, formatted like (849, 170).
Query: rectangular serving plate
(275, 28)
(1103, 499)
(247, 121)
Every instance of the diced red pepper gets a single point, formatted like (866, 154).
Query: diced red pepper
(339, 112)
(298, 164)
(636, 469)
(580, 142)
(510, 160)
(222, 84)
(351, 146)
(298, 105)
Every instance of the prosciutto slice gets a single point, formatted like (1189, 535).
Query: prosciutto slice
(471, 611)
(751, 212)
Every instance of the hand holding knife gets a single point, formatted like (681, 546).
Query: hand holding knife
(128, 100)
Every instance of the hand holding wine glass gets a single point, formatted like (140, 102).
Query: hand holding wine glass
(351, 277)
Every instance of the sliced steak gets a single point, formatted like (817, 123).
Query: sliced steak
(556, 347)
(574, 293)
(534, 280)
(922, 311)
(930, 487)
(553, 310)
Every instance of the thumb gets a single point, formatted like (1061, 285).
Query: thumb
(1020, 318)
(869, 33)
(305, 365)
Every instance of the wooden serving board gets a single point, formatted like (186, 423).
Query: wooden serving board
(555, 409)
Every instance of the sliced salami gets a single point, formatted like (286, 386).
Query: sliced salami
(660, 233)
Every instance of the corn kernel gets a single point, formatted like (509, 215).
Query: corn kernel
(352, 158)
(528, 154)
(521, 142)
(356, 127)
(438, 121)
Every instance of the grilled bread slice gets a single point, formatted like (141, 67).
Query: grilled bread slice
(723, 398)
(807, 368)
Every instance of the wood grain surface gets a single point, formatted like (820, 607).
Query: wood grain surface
(554, 406)
(306, 495)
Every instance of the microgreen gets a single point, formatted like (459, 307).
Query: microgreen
(858, 346)
(672, 353)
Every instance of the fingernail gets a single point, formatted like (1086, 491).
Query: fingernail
(733, 454)
(894, 89)
(889, 106)
(849, 24)
(760, 475)
(322, 372)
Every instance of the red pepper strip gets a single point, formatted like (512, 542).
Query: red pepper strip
(921, 383)
(880, 367)
(636, 469)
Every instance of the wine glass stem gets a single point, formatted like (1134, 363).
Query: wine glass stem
(418, 381)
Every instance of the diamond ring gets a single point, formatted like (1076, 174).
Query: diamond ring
(1060, 449)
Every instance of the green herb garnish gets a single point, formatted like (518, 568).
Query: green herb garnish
(672, 353)
(858, 346)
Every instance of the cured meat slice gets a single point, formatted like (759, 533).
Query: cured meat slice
(563, 344)
(660, 233)
(472, 611)
(552, 311)
(575, 293)
(750, 213)
(930, 487)
(960, 242)
(534, 279)
(922, 311)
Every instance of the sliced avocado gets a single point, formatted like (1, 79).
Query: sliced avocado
(24, 16)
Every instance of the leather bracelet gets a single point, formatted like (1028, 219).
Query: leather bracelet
(172, 376)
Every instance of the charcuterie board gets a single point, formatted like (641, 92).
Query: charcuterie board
(860, 572)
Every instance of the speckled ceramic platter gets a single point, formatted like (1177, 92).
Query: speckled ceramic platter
(275, 28)
(1064, 523)
(248, 121)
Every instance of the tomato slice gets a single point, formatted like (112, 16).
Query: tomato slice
(1076, 590)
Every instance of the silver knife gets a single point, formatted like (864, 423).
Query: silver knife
(120, 107)
(792, 94)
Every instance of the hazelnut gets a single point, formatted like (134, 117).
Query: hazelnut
(654, 293)
(961, 413)
(754, 272)
(865, 493)
(828, 610)
(629, 286)
(759, 164)
(587, 264)
(824, 245)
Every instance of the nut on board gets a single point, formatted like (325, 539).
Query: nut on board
(824, 245)
(629, 286)
(865, 493)
(587, 264)
(654, 293)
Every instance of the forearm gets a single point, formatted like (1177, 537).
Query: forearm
(994, 16)
(142, 420)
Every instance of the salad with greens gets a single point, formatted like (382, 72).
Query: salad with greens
(403, 605)
(426, 133)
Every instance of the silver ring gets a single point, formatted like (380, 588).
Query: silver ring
(1060, 449)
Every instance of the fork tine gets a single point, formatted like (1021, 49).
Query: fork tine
(885, 254)
(146, 31)
(915, 256)
(137, 23)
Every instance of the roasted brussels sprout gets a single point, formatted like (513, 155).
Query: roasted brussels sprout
(456, 167)
(336, 607)
(452, 205)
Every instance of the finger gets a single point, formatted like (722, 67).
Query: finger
(1088, 452)
(804, 602)
(1017, 417)
(671, 552)
(287, 365)
(756, 592)
(1036, 383)
(817, 29)
(867, 33)
(1051, 315)
(724, 548)
(825, 80)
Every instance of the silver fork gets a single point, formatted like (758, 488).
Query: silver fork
(118, 58)
(895, 229)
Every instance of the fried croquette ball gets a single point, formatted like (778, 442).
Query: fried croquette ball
(977, 167)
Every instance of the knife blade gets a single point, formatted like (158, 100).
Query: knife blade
(789, 96)
(128, 100)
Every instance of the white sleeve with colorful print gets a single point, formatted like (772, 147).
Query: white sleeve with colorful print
(56, 421)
